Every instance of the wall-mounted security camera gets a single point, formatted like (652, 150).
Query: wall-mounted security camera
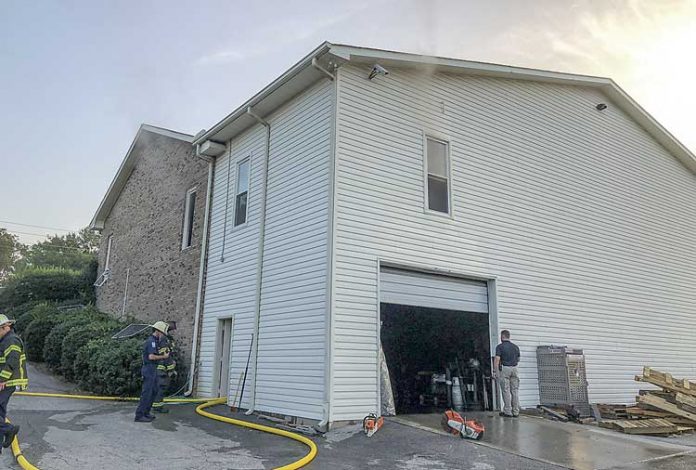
(378, 70)
(601, 107)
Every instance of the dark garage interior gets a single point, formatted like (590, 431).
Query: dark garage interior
(437, 359)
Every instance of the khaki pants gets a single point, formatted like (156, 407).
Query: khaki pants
(510, 386)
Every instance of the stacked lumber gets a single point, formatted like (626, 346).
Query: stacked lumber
(640, 426)
(612, 411)
(564, 414)
(667, 411)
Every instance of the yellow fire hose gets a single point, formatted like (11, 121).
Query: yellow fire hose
(17, 452)
(93, 397)
(204, 403)
(279, 432)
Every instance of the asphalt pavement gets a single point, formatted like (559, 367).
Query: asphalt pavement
(60, 434)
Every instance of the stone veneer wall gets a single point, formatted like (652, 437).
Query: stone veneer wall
(146, 223)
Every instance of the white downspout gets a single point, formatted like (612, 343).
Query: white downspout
(259, 266)
(331, 242)
(201, 274)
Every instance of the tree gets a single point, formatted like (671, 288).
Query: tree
(72, 251)
(8, 252)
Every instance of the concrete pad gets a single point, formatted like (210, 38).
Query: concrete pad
(566, 444)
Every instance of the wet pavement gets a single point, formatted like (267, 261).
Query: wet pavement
(570, 445)
(61, 434)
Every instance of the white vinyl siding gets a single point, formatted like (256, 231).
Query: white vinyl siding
(587, 223)
(293, 304)
(230, 288)
(292, 330)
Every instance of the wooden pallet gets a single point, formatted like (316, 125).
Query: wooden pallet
(639, 413)
(612, 411)
(667, 382)
(636, 412)
(664, 405)
(641, 426)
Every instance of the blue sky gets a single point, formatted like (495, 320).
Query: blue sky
(78, 77)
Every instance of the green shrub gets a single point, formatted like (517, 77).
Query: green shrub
(36, 333)
(53, 347)
(38, 311)
(114, 368)
(84, 357)
(54, 284)
(76, 338)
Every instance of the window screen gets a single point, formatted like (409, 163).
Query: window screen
(240, 201)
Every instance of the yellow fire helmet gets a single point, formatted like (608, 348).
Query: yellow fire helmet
(4, 320)
(161, 326)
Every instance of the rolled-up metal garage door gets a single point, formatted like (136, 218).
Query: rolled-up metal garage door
(403, 287)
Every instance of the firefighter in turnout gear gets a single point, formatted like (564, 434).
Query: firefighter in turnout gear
(165, 368)
(13, 374)
(150, 360)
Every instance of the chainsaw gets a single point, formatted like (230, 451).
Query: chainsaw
(453, 422)
(372, 424)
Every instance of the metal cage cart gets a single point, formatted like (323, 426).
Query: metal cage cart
(563, 378)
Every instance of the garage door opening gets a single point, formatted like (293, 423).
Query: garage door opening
(438, 359)
(436, 338)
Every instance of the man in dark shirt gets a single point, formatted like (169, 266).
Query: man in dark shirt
(507, 355)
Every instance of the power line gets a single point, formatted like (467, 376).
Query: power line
(27, 233)
(37, 226)
(54, 247)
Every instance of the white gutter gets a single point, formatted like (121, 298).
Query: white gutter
(259, 265)
(201, 273)
(260, 96)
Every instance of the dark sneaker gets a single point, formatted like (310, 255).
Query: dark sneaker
(10, 436)
(152, 417)
(144, 419)
(516, 416)
(505, 415)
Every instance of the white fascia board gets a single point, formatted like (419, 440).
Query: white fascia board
(367, 55)
(166, 132)
(402, 59)
(263, 94)
(124, 171)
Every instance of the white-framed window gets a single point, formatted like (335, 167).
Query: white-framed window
(437, 175)
(189, 213)
(241, 197)
(107, 260)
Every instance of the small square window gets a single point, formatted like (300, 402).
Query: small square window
(438, 181)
